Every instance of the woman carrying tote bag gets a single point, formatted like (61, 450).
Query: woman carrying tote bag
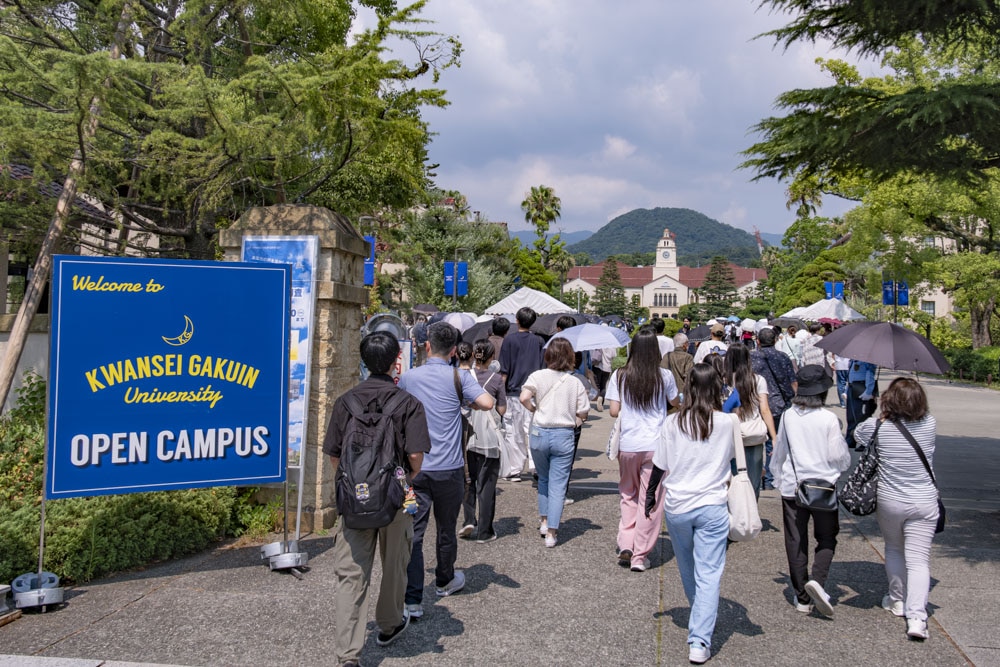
(638, 395)
(810, 447)
(692, 459)
(756, 422)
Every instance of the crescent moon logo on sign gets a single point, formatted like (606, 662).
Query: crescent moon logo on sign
(184, 336)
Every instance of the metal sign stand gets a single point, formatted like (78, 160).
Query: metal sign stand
(39, 589)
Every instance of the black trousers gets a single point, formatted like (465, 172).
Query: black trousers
(481, 490)
(602, 380)
(857, 410)
(439, 491)
(826, 525)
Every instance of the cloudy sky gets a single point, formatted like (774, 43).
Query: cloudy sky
(615, 105)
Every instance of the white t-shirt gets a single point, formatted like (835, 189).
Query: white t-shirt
(557, 400)
(641, 428)
(707, 348)
(666, 345)
(697, 471)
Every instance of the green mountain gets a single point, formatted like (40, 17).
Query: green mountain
(699, 237)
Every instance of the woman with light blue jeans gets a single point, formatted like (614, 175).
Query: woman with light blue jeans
(692, 460)
(559, 403)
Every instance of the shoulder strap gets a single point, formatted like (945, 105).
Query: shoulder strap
(913, 442)
(458, 386)
(538, 401)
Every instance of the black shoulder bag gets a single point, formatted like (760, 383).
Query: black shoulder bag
(859, 494)
(813, 493)
(923, 459)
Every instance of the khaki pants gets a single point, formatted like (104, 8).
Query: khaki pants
(354, 554)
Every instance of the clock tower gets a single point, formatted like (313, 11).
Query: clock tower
(666, 256)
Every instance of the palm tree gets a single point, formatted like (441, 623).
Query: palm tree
(541, 208)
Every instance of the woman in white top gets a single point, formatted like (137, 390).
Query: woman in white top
(751, 408)
(809, 445)
(638, 395)
(559, 402)
(692, 458)
(907, 499)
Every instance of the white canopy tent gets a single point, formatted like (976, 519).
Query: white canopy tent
(540, 302)
(834, 309)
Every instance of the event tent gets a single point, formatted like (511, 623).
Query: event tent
(832, 308)
(540, 302)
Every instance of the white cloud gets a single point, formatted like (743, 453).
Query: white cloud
(617, 148)
(616, 106)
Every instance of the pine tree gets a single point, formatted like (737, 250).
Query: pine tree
(609, 298)
(718, 293)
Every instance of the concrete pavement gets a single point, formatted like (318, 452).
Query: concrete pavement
(524, 604)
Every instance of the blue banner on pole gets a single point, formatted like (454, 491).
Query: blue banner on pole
(902, 293)
(828, 288)
(838, 290)
(370, 261)
(888, 293)
(166, 374)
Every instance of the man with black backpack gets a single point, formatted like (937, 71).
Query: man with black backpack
(376, 439)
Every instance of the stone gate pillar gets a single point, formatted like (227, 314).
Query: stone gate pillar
(340, 298)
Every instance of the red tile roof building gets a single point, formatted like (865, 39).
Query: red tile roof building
(663, 287)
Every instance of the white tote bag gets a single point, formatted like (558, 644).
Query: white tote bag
(614, 440)
(744, 520)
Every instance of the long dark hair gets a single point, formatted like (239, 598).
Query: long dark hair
(739, 373)
(640, 381)
(703, 397)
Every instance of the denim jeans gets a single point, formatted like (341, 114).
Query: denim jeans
(842, 387)
(552, 451)
(699, 541)
(755, 466)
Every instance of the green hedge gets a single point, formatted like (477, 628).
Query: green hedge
(91, 537)
(974, 365)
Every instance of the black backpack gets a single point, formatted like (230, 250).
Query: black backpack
(368, 494)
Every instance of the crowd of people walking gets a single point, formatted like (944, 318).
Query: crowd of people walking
(511, 406)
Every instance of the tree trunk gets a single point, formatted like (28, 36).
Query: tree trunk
(34, 290)
(979, 320)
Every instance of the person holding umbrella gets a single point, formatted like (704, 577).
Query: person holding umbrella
(908, 508)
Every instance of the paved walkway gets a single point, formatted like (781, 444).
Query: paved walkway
(526, 605)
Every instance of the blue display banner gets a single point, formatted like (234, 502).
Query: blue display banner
(166, 374)
(370, 262)
(902, 293)
(456, 272)
(888, 293)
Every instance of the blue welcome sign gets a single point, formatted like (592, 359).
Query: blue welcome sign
(166, 374)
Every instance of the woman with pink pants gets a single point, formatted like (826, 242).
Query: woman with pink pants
(638, 395)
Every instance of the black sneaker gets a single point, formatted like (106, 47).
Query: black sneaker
(385, 639)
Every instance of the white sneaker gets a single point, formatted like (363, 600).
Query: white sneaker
(543, 529)
(414, 611)
(466, 530)
(568, 501)
(599, 404)
(550, 540)
(640, 564)
(820, 598)
(895, 606)
(454, 586)
(803, 608)
(699, 654)
(916, 629)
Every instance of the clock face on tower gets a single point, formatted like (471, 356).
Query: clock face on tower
(666, 254)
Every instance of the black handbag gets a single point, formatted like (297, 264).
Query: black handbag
(813, 493)
(859, 494)
(923, 459)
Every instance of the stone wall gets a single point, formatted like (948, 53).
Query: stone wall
(340, 299)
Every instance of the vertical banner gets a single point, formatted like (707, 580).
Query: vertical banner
(370, 262)
(456, 273)
(166, 374)
(301, 253)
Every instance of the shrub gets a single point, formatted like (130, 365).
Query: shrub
(92, 537)
(974, 365)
